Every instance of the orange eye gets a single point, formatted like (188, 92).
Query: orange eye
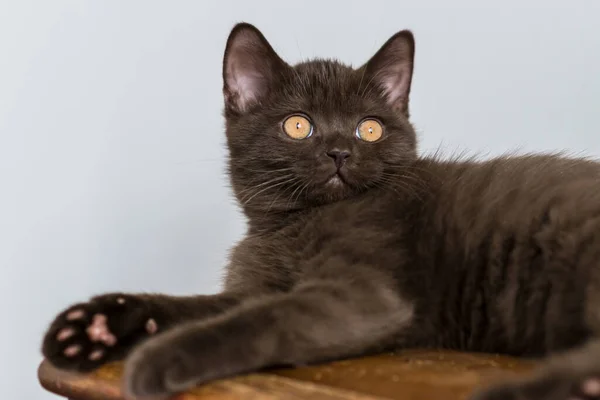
(369, 130)
(297, 127)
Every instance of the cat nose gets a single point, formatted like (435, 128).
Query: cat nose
(339, 156)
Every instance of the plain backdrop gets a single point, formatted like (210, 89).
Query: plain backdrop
(111, 136)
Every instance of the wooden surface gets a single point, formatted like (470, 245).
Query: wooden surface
(411, 375)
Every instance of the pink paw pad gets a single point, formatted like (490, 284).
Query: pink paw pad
(96, 355)
(64, 334)
(98, 331)
(75, 315)
(151, 326)
(73, 350)
(591, 387)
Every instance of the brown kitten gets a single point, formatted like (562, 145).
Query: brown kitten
(357, 245)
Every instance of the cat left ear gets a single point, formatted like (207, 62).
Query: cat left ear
(392, 68)
(250, 68)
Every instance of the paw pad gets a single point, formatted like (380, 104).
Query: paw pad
(96, 355)
(151, 326)
(72, 350)
(591, 388)
(75, 315)
(64, 334)
(98, 331)
(101, 330)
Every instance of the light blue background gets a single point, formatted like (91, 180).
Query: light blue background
(111, 138)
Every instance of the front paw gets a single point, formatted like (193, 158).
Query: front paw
(150, 369)
(87, 335)
(185, 357)
(548, 386)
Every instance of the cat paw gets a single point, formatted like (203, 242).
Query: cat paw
(547, 387)
(150, 372)
(87, 335)
(183, 358)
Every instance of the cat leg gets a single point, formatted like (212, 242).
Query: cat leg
(573, 375)
(87, 335)
(318, 320)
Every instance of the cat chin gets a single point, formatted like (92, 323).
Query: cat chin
(334, 189)
(335, 182)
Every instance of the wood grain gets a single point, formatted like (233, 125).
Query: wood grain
(410, 375)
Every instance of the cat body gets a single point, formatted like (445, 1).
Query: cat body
(357, 245)
(466, 246)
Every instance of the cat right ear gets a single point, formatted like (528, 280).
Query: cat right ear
(250, 68)
(391, 68)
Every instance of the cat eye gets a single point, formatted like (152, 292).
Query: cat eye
(369, 130)
(297, 127)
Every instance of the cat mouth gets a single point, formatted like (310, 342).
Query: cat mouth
(336, 180)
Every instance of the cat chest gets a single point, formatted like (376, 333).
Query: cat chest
(353, 239)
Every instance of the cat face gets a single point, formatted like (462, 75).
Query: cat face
(317, 132)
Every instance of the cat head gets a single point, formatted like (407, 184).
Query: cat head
(316, 132)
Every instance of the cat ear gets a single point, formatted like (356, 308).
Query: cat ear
(392, 68)
(250, 67)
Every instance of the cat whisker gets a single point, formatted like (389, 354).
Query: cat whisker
(406, 167)
(404, 175)
(385, 187)
(273, 180)
(305, 187)
(279, 193)
(265, 189)
(292, 201)
(269, 171)
(395, 184)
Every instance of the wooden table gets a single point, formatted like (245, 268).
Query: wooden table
(411, 375)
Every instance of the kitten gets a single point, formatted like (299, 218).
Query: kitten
(356, 245)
